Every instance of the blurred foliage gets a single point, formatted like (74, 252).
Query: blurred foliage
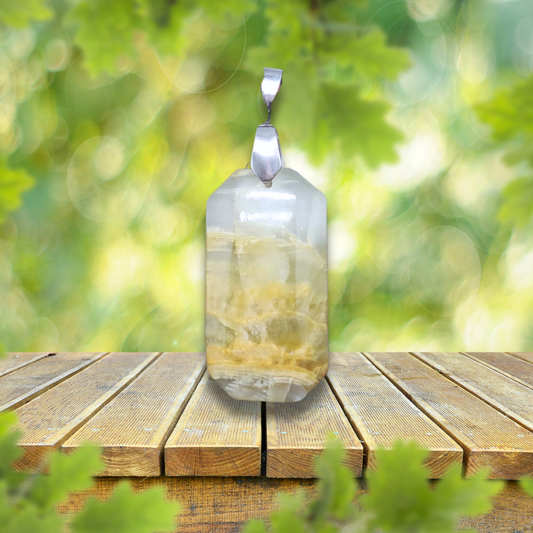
(107, 29)
(126, 116)
(527, 485)
(20, 14)
(399, 497)
(336, 490)
(326, 58)
(510, 115)
(401, 481)
(28, 501)
(12, 184)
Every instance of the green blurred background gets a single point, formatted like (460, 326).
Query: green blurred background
(119, 118)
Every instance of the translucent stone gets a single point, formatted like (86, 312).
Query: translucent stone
(266, 287)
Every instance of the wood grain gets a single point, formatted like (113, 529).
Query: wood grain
(215, 436)
(47, 421)
(296, 434)
(506, 364)
(506, 395)
(381, 414)
(488, 437)
(526, 356)
(15, 360)
(26, 383)
(224, 505)
(132, 428)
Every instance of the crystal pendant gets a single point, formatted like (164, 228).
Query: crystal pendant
(266, 278)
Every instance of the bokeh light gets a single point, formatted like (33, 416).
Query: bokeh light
(106, 250)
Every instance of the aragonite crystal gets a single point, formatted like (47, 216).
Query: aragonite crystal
(266, 287)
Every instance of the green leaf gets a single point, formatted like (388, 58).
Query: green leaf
(401, 481)
(369, 55)
(324, 58)
(9, 437)
(127, 512)
(163, 21)
(29, 519)
(20, 13)
(527, 484)
(220, 11)
(107, 28)
(510, 116)
(67, 473)
(13, 182)
(254, 526)
(455, 496)
(352, 125)
(337, 486)
(517, 202)
(105, 32)
(287, 519)
(510, 112)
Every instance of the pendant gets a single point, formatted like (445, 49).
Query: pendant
(266, 312)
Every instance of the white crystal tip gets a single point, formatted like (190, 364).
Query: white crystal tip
(277, 390)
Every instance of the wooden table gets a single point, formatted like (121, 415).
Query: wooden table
(160, 419)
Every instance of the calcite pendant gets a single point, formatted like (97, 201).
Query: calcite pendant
(266, 286)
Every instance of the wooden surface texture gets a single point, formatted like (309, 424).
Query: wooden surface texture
(19, 387)
(381, 414)
(216, 435)
(51, 418)
(225, 504)
(489, 438)
(507, 364)
(296, 434)
(134, 426)
(526, 356)
(504, 394)
(162, 415)
(15, 360)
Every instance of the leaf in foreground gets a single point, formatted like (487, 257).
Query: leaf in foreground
(67, 473)
(128, 512)
(401, 481)
(527, 485)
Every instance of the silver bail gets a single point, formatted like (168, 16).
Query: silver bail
(267, 160)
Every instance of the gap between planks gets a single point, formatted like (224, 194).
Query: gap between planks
(381, 414)
(296, 434)
(489, 438)
(215, 436)
(50, 419)
(133, 427)
(28, 382)
(15, 360)
(505, 395)
(506, 364)
(526, 356)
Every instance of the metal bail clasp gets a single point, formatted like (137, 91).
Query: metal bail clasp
(267, 160)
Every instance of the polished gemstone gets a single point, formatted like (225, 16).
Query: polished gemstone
(266, 287)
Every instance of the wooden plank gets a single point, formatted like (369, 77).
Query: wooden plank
(506, 364)
(28, 382)
(224, 505)
(488, 437)
(507, 396)
(132, 428)
(215, 436)
(296, 434)
(49, 420)
(526, 356)
(381, 414)
(15, 360)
